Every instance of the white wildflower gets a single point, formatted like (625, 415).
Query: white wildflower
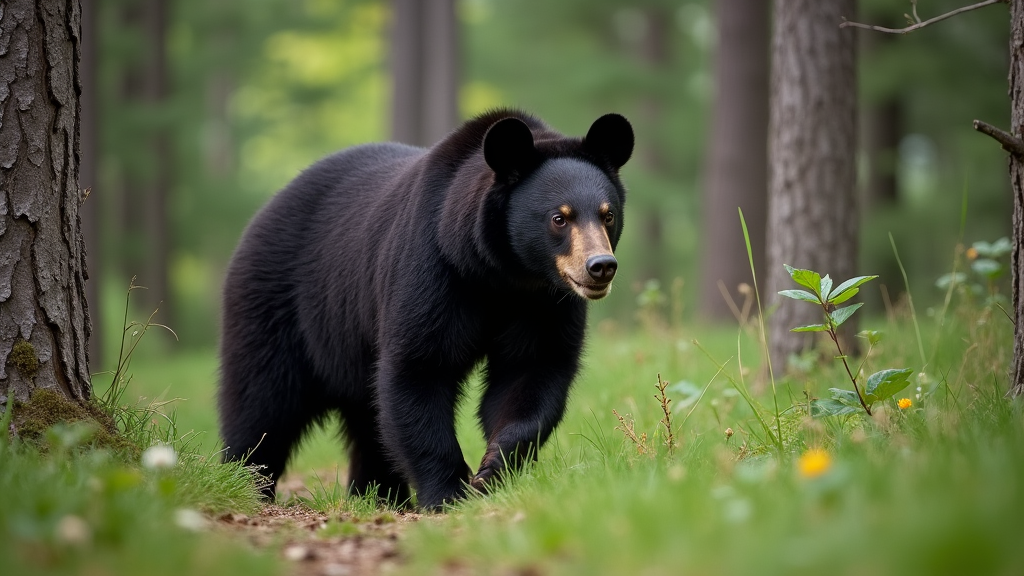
(189, 519)
(73, 530)
(159, 456)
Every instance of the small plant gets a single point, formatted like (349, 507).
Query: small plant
(666, 420)
(880, 385)
(628, 428)
(989, 264)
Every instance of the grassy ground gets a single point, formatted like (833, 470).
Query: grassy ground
(932, 489)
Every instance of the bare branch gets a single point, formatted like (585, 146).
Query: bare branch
(1010, 143)
(847, 23)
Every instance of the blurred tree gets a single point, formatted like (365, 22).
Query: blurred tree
(147, 179)
(424, 70)
(1017, 178)
(88, 173)
(737, 163)
(572, 60)
(812, 211)
(44, 315)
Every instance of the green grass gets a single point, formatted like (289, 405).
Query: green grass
(934, 489)
(75, 509)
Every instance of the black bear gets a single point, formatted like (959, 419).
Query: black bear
(375, 282)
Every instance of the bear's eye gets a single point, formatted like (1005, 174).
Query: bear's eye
(609, 219)
(558, 220)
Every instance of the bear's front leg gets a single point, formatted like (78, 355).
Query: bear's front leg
(524, 401)
(417, 423)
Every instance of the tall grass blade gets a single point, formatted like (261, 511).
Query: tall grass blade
(764, 335)
(910, 299)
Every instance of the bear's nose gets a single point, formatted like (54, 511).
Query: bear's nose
(602, 268)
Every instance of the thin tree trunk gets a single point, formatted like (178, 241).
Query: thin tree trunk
(157, 214)
(883, 128)
(737, 165)
(44, 315)
(812, 212)
(1017, 181)
(424, 70)
(90, 209)
(653, 54)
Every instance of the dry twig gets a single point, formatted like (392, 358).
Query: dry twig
(666, 421)
(1010, 143)
(920, 24)
(627, 428)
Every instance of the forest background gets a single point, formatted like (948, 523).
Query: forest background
(196, 112)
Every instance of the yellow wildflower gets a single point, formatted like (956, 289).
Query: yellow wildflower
(814, 463)
(972, 253)
(904, 403)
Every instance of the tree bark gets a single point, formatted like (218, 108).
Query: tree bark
(737, 165)
(44, 316)
(1017, 181)
(424, 70)
(812, 212)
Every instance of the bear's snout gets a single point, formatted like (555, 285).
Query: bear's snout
(602, 267)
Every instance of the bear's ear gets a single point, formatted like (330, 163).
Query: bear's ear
(610, 137)
(508, 148)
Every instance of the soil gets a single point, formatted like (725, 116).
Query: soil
(318, 544)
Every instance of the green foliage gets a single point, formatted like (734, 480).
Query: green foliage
(930, 489)
(881, 385)
(73, 511)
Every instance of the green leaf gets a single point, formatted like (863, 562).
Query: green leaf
(1001, 247)
(826, 286)
(848, 397)
(841, 315)
(988, 268)
(846, 295)
(947, 279)
(886, 383)
(994, 250)
(800, 295)
(872, 336)
(852, 283)
(806, 278)
(822, 408)
(810, 328)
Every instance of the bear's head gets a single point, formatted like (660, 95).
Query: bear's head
(564, 203)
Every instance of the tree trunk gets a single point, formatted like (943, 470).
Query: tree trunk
(44, 316)
(654, 54)
(145, 219)
(90, 209)
(883, 129)
(157, 213)
(737, 165)
(812, 212)
(424, 70)
(1017, 181)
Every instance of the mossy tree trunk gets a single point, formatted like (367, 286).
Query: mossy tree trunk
(44, 318)
(812, 209)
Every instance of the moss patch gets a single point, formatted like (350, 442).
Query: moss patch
(47, 407)
(23, 357)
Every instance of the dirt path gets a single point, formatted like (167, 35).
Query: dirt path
(317, 544)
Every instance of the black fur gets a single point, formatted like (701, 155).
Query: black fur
(381, 276)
